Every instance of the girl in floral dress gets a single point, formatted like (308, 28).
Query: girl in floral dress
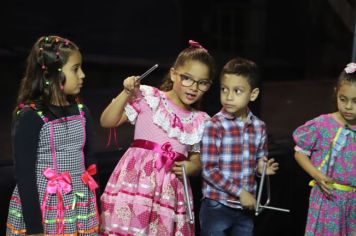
(145, 195)
(326, 150)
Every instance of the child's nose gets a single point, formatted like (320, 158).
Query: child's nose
(195, 85)
(82, 75)
(348, 105)
(230, 96)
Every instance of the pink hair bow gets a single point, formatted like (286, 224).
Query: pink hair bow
(195, 44)
(350, 68)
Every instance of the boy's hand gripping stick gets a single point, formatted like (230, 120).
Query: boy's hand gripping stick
(260, 207)
(186, 196)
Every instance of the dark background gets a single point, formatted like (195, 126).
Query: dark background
(301, 46)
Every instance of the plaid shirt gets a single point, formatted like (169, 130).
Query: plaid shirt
(230, 150)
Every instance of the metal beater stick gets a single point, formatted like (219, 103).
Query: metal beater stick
(186, 195)
(146, 73)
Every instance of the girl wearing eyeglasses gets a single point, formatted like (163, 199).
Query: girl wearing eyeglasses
(145, 194)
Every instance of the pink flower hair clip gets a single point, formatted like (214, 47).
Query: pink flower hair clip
(195, 44)
(350, 68)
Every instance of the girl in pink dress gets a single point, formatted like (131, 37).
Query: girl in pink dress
(145, 194)
(326, 150)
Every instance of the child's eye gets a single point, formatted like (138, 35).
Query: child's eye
(238, 91)
(185, 77)
(222, 89)
(76, 68)
(204, 82)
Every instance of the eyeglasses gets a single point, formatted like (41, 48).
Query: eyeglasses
(187, 81)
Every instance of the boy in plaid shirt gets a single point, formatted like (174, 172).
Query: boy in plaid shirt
(233, 149)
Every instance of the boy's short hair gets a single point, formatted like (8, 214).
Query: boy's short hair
(242, 67)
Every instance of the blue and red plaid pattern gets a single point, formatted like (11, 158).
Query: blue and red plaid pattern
(230, 150)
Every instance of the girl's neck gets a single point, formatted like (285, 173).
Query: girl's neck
(340, 119)
(56, 102)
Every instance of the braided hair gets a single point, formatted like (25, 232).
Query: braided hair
(43, 77)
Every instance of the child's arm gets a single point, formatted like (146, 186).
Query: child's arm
(308, 167)
(25, 136)
(114, 114)
(210, 161)
(192, 165)
(89, 151)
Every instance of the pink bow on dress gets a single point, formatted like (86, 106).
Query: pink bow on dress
(57, 183)
(167, 157)
(90, 181)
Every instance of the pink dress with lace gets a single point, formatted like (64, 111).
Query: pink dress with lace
(142, 196)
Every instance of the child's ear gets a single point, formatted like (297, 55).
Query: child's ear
(254, 94)
(172, 74)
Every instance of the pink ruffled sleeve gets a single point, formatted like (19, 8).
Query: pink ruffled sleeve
(305, 137)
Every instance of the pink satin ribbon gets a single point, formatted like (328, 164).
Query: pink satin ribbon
(167, 157)
(90, 181)
(112, 131)
(57, 183)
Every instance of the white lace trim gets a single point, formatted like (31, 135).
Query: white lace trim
(162, 118)
(131, 113)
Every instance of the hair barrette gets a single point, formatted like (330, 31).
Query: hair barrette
(195, 44)
(350, 68)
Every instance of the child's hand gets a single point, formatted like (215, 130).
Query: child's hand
(177, 169)
(131, 84)
(247, 200)
(190, 168)
(272, 166)
(324, 182)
